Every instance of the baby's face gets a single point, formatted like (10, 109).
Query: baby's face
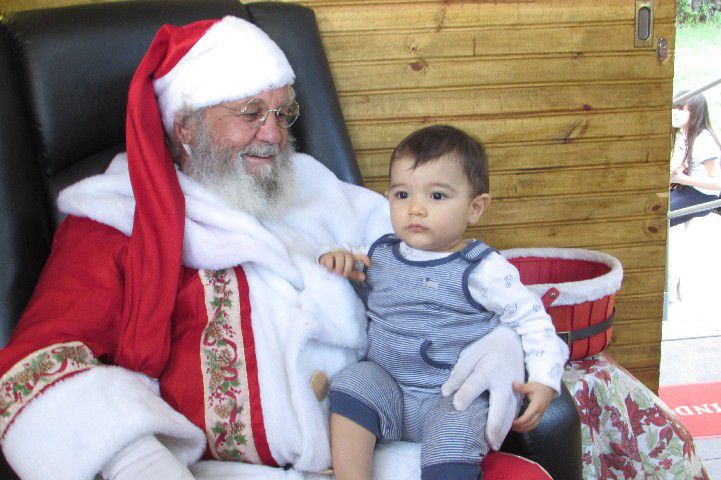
(432, 204)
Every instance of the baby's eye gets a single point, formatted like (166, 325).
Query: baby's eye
(401, 195)
(438, 196)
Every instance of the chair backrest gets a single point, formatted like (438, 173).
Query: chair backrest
(64, 76)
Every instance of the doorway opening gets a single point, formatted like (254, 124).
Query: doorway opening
(691, 331)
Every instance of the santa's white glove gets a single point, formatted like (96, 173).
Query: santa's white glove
(145, 459)
(491, 363)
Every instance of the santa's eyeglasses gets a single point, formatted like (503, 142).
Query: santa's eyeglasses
(256, 112)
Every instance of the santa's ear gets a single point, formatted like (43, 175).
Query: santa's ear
(183, 128)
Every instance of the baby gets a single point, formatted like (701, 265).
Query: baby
(430, 293)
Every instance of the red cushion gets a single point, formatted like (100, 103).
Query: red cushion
(504, 466)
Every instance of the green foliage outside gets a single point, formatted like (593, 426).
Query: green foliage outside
(698, 62)
(698, 11)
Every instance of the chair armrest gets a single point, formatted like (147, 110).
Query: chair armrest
(556, 443)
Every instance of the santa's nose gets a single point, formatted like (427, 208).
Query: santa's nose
(270, 131)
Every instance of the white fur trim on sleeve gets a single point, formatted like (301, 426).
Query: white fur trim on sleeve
(571, 293)
(76, 426)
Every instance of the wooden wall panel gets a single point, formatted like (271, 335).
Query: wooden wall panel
(368, 15)
(575, 119)
(462, 71)
(484, 40)
(572, 180)
(508, 100)
(576, 122)
(522, 155)
(573, 208)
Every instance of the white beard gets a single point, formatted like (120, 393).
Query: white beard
(264, 195)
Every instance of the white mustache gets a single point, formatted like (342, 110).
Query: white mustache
(261, 150)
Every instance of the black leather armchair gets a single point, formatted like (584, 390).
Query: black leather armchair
(64, 76)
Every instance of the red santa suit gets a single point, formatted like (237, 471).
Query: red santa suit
(163, 312)
(254, 313)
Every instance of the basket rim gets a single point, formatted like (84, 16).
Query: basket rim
(572, 293)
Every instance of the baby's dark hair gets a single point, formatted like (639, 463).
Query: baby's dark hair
(431, 143)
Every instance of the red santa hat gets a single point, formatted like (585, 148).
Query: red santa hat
(193, 66)
(234, 59)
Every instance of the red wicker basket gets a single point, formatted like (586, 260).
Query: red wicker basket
(578, 290)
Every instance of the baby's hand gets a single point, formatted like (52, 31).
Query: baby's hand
(539, 397)
(343, 263)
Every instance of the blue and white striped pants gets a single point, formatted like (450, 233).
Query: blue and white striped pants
(452, 443)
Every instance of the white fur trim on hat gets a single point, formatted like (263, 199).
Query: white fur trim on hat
(571, 293)
(234, 59)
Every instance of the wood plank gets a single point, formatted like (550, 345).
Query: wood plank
(516, 156)
(652, 320)
(572, 208)
(564, 128)
(501, 70)
(583, 180)
(640, 307)
(640, 256)
(480, 42)
(591, 235)
(632, 333)
(645, 282)
(546, 183)
(505, 99)
(641, 356)
(369, 15)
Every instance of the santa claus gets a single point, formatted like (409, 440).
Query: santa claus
(182, 313)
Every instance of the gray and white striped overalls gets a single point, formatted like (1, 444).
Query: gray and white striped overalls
(421, 315)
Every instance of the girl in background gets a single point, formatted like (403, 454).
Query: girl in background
(695, 162)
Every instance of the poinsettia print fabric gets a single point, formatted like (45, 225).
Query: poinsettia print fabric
(628, 432)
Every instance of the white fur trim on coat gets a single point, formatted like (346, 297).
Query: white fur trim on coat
(77, 425)
(233, 60)
(304, 318)
(393, 460)
(572, 293)
(217, 470)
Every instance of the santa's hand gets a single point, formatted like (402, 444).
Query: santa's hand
(491, 363)
(145, 459)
